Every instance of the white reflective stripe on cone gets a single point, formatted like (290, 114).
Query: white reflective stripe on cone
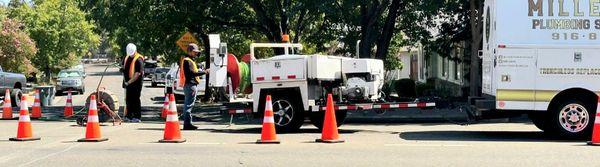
(36, 104)
(93, 119)
(24, 118)
(93, 105)
(172, 118)
(268, 120)
(597, 121)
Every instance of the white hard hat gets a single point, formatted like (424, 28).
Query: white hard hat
(131, 49)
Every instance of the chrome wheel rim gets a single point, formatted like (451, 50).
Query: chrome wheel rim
(283, 112)
(574, 118)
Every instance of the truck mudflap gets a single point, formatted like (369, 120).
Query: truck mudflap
(370, 106)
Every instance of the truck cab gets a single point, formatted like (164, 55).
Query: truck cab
(541, 58)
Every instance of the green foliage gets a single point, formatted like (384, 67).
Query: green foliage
(16, 48)
(60, 29)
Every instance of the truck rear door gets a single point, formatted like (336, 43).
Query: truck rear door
(489, 49)
(288, 68)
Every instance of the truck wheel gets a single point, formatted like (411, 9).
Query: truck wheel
(16, 97)
(288, 113)
(539, 120)
(572, 119)
(317, 118)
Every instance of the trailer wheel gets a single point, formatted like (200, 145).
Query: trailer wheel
(288, 113)
(16, 97)
(572, 119)
(317, 118)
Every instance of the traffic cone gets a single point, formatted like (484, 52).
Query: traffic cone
(165, 109)
(268, 134)
(596, 131)
(36, 109)
(7, 108)
(92, 132)
(24, 132)
(330, 131)
(172, 133)
(69, 106)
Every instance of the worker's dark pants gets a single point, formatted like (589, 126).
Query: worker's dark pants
(132, 102)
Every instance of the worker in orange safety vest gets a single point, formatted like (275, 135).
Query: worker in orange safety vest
(133, 72)
(189, 78)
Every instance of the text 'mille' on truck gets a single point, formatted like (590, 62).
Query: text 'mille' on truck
(299, 85)
(541, 57)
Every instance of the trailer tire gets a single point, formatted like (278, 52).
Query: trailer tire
(288, 113)
(572, 119)
(317, 118)
(16, 97)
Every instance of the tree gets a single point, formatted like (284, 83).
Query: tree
(16, 48)
(476, 22)
(60, 30)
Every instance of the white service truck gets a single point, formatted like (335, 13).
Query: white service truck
(299, 85)
(542, 57)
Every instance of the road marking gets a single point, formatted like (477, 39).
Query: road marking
(189, 143)
(427, 145)
(50, 155)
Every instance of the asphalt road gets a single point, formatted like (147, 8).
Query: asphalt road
(112, 81)
(491, 144)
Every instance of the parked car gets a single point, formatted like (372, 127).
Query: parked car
(159, 76)
(149, 67)
(70, 80)
(79, 68)
(172, 85)
(14, 83)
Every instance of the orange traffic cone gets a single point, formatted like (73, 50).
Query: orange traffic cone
(172, 133)
(7, 108)
(92, 132)
(165, 108)
(330, 131)
(69, 106)
(596, 131)
(36, 109)
(24, 132)
(268, 134)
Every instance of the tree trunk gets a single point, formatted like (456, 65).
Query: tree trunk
(388, 30)
(476, 18)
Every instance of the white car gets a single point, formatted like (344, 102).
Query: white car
(172, 82)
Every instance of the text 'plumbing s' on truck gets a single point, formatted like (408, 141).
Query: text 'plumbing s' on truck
(299, 85)
(542, 58)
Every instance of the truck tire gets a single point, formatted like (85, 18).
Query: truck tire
(317, 118)
(16, 97)
(287, 112)
(572, 119)
(539, 119)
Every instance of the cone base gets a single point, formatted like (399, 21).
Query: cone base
(24, 139)
(267, 141)
(92, 140)
(592, 143)
(329, 141)
(172, 141)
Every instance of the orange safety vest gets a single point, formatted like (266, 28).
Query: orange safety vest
(132, 66)
(182, 78)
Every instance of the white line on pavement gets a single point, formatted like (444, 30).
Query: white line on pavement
(427, 145)
(50, 155)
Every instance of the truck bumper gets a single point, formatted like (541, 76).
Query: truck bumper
(483, 103)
